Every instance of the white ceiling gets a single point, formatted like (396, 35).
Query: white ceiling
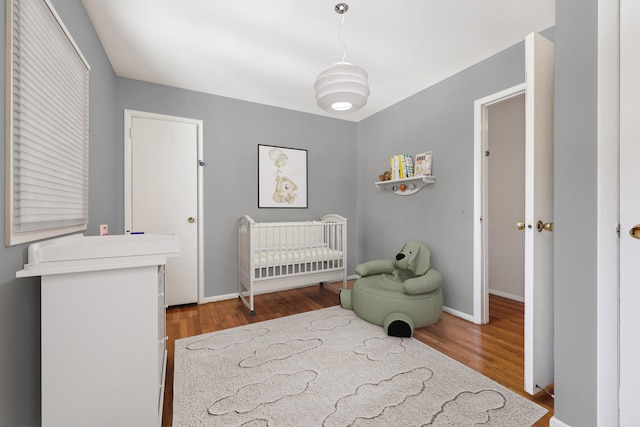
(270, 52)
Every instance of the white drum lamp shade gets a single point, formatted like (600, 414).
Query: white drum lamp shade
(342, 88)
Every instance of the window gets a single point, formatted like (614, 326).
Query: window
(47, 126)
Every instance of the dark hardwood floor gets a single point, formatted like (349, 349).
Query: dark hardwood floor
(495, 349)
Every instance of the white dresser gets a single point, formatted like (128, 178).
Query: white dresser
(103, 328)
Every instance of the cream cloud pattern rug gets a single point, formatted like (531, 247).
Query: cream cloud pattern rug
(330, 368)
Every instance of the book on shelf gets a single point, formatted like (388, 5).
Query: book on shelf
(393, 167)
(401, 166)
(422, 166)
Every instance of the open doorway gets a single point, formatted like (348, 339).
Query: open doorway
(505, 161)
(499, 198)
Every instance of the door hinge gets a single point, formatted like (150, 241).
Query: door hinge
(618, 230)
(131, 133)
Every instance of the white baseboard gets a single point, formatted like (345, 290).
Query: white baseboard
(506, 295)
(220, 298)
(457, 313)
(554, 422)
(235, 294)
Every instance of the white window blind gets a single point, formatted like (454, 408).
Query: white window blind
(47, 126)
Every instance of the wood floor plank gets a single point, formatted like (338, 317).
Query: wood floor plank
(495, 350)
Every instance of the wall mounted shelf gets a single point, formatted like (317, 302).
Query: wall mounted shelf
(412, 185)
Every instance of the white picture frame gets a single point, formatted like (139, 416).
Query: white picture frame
(282, 177)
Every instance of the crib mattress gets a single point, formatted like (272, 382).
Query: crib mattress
(272, 258)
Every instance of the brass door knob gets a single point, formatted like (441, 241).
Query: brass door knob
(191, 220)
(635, 232)
(520, 225)
(547, 226)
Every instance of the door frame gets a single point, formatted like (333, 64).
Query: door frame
(628, 316)
(480, 205)
(128, 118)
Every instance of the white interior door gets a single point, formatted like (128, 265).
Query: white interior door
(629, 212)
(163, 194)
(538, 266)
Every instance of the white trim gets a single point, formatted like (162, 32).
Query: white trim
(554, 422)
(128, 116)
(501, 294)
(460, 314)
(608, 215)
(200, 212)
(234, 295)
(67, 33)
(480, 287)
(218, 298)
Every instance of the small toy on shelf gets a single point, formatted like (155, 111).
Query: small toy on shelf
(386, 176)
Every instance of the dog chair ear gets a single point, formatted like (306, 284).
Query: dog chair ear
(420, 259)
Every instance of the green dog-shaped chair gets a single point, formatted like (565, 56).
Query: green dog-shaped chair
(398, 295)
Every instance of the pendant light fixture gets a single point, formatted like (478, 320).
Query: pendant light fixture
(342, 88)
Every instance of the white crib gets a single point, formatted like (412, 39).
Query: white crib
(274, 256)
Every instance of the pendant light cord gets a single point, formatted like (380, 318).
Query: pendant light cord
(344, 46)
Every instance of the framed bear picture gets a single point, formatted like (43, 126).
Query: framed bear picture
(282, 177)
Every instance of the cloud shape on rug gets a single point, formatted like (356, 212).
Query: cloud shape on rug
(379, 348)
(371, 399)
(469, 407)
(330, 323)
(279, 351)
(220, 340)
(273, 389)
(256, 423)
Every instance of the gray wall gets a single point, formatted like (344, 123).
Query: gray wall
(439, 119)
(232, 131)
(20, 299)
(575, 204)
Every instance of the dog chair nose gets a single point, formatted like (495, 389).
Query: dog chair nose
(400, 256)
